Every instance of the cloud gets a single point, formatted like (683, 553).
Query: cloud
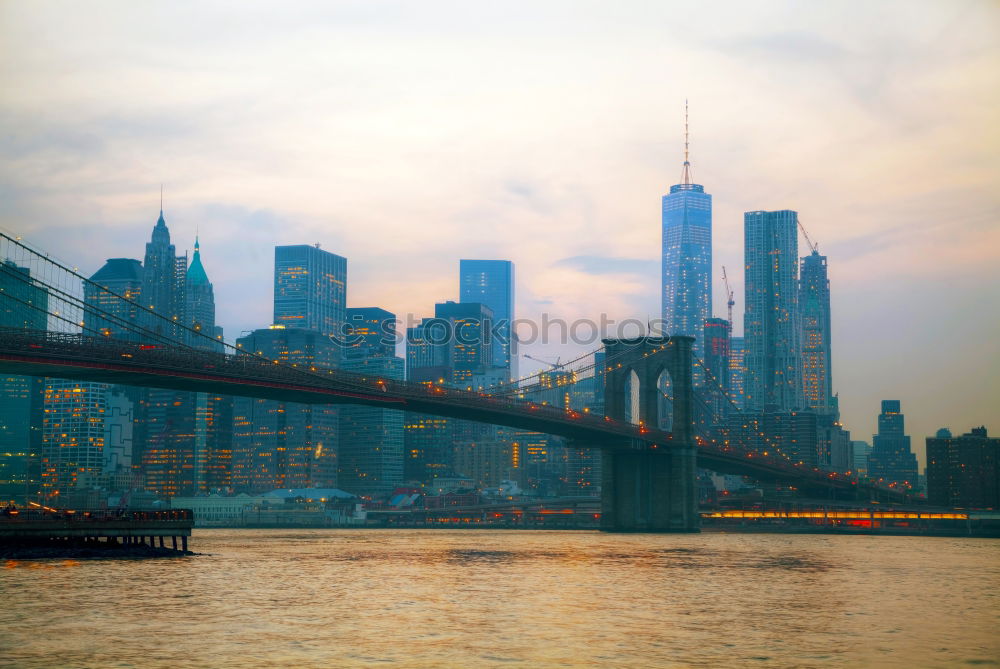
(600, 265)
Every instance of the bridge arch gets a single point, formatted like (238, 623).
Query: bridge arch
(650, 491)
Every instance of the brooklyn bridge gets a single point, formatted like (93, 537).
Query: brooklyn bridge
(648, 475)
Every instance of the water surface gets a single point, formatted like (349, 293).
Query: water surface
(485, 598)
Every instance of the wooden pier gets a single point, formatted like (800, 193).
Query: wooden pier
(41, 532)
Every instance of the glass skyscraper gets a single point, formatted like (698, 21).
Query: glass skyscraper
(814, 317)
(770, 320)
(687, 257)
(491, 282)
(310, 288)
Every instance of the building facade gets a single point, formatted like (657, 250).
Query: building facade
(964, 472)
(23, 305)
(737, 372)
(491, 282)
(370, 444)
(814, 318)
(285, 444)
(891, 458)
(686, 270)
(310, 289)
(771, 329)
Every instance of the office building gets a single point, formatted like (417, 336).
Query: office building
(891, 458)
(491, 282)
(771, 329)
(964, 472)
(370, 446)
(310, 289)
(163, 279)
(285, 444)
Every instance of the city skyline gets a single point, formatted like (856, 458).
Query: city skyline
(578, 222)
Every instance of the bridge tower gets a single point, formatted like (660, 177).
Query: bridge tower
(650, 491)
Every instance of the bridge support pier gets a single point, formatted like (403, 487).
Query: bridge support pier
(645, 490)
(649, 492)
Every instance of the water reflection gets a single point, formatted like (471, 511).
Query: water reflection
(496, 598)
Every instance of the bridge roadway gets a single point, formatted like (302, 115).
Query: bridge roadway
(105, 360)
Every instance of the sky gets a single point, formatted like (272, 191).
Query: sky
(407, 135)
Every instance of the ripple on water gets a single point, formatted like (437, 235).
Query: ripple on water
(264, 598)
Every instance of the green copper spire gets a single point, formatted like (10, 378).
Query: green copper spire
(196, 272)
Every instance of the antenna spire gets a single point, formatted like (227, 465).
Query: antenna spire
(161, 199)
(686, 174)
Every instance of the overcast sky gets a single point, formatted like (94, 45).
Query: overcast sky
(407, 135)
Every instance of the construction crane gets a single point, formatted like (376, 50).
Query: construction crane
(555, 365)
(729, 296)
(812, 247)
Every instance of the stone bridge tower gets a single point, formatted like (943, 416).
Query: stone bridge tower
(650, 491)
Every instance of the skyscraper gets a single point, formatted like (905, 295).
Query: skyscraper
(687, 256)
(163, 280)
(310, 288)
(491, 282)
(370, 443)
(199, 304)
(814, 317)
(891, 458)
(285, 444)
(770, 329)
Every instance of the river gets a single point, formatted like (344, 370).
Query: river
(494, 598)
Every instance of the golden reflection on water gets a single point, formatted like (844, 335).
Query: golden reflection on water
(460, 598)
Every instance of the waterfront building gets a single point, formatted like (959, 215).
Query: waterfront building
(77, 426)
(285, 444)
(427, 442)
(891, 458)
(491, 282)
(686, 269)
(771, 330)
(370, 443)
(814, 318)
(310, 289)
(23, 305)
(487, 462)
(964, 472)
